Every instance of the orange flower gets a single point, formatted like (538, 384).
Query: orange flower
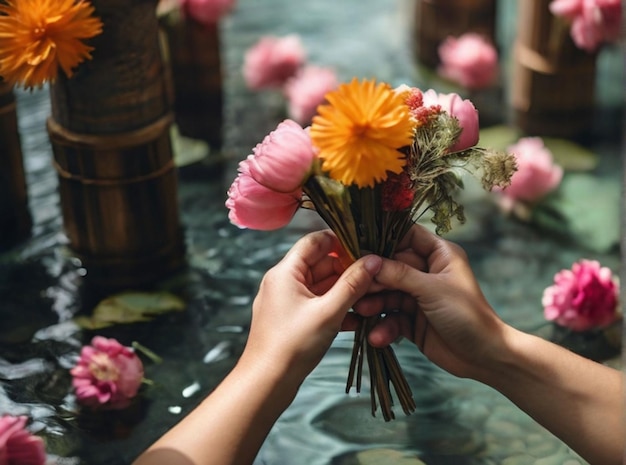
(39, 36)
(358, 133)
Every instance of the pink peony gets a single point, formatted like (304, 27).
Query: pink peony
(306, 90)
(207, 11)
(582, 298)
(283, 160)
(254, 206)
(272, 61)
(593, 22)
(107, 374)
(536, 174)
(469, 60)
(17, 445)
(463, 110)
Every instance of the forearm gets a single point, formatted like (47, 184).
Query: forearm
(230, 425)
(578, 400)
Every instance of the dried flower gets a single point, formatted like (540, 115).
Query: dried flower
(39, 36)
(207, 11)
(17, 445)
(306, 90)
(536, 175)
(358, 133)
(582, 298)
(255, 206)
(470, 60)
(271, 61)
(283, 160)
(385, 158)
(107, 374)
(593, 22)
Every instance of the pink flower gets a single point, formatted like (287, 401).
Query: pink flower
(283, 160)
(254, 206)
(17, 445)
(107, 374)
(582, 298)
(463, 110)
(536, 174)
(593, 22)
(272, 61)
(306, 90)
(469, 60)
(207, 11)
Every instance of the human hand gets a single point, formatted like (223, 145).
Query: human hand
(440, 306)
(301, 303)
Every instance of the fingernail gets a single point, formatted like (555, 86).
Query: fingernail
(373, 263)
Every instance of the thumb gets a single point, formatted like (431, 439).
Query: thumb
(351, 285)
(402, 277)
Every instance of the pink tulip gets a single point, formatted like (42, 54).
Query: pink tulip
(207, 11)
(272, 61)
(254, 206)
(107, 374)
(17, 445)
(463, 110)
(283, 160)
(582, 298)
(308, 89)
(469, 60)
(536, 174)
(593, 22)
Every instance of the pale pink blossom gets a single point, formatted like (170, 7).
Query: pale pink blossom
(17, 445)
(536, 175)
(306, 90)
(463, 110)
(282, 161)
(207, 11)
(107, 374)
(593, 22)
(271, 61)
(582, 298)
(254, 206)
(470, 60)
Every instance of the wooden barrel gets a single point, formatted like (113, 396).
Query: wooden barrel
(194, 56)
(553, 81)
(123, 87)
(110, 135)
(15, 218)
(119, 203)
(435, 20)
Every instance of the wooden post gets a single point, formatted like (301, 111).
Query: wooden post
(553, 81)
(15, 218)
(435, 20)
(109, 131)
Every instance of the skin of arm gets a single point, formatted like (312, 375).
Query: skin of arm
(441, 308)
(296, 315)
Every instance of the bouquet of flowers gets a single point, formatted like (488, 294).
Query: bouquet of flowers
(374, 161)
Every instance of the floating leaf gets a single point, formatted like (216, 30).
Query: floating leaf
(130, 307)
(571, 156)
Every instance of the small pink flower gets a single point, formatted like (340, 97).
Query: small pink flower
(469, 60)
(254, 206)
(536, 174)
(107, 374)
(306, 90)
(463, 110)
(207, 11)
(582, 298)
(272, 61)
(593, 22)
(283, 160)
(17, 445)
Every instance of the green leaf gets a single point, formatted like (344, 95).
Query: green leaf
(130, 307)
(571, 156)
(497, 137)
